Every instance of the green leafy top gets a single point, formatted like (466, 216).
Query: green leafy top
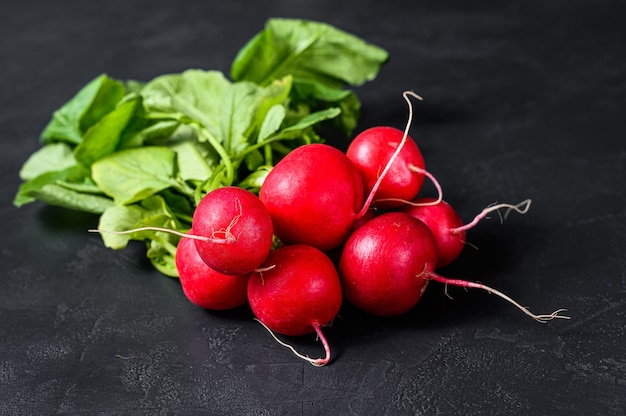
(144, 154)
(321, 59)
(308, 51)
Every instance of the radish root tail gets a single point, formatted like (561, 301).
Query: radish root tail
(221, 236)
(165, 230)
(521, 208)
(543, 318)
(419, 204)
(317, 362)
(395, 154)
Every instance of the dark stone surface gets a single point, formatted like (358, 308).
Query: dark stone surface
(523, 99)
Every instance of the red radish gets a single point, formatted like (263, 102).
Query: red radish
(386, 263)
(370, 151)
(295, 292)
(390, 163)
(235, 228)
(205, 287)
(313, 196)
(380, 263)
(447, 226)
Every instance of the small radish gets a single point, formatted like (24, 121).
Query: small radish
(390, 163)
(235, 230)
(448, 227)
(386, 263)
(295, 292)
(370, 151)
(205, 287)
(313, 196)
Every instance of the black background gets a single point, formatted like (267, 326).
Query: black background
(522, 99)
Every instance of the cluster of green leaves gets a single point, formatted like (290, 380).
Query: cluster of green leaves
(143, 154)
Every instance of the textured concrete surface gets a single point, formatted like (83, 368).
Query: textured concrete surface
(521, 100)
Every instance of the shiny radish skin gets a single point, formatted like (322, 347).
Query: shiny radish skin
(313, 195)
(370, 151)
(444, 222)
(239, 229)
(382, 264)
(296, 288)
(205, 287)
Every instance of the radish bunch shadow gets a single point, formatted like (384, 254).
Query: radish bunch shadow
(329, 227)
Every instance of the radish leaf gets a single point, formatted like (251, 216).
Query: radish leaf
(131, 175)
(88, 106)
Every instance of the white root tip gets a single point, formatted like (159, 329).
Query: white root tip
(520, 208)
(317, 362)
(554, 315)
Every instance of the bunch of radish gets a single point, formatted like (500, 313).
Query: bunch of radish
(271, 250)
